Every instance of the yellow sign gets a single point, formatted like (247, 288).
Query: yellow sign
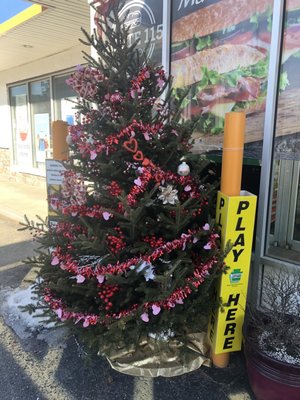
(20, 18)
(235, 216)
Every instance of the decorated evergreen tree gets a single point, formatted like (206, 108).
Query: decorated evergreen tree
(134, 251)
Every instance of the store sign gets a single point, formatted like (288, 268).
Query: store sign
(235, 216)
(54, 180)
(185, 6)
(144, 20)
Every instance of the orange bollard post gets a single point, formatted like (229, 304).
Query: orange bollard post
(59, 135)
(220, 360)
(231, 177)
(233, 149)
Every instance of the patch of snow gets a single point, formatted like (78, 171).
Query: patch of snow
(23, 323)
(281, 355)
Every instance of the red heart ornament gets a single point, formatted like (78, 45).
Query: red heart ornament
(138, 156)
(131, 145)
(146, 162)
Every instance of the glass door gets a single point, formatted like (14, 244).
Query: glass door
(293, 231)
(40, 119)
(284, 211)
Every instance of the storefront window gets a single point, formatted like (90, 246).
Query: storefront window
(64, 98)
(284, 213)
(40, 119)
(20, 124)
(31, 113)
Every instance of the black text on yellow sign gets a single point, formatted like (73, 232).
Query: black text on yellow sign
(235, 215)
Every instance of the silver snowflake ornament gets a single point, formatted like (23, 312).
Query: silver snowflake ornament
(168, 194)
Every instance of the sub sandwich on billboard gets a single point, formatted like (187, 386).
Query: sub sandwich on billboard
(221, 53)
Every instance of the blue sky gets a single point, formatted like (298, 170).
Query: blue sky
(9, 8)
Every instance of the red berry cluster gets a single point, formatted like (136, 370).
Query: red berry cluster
(116, 243)
(112, 139)
(106, 294)
(154, 241)
(197, 212)
(114, 189)
(86, 120)
(120, 208)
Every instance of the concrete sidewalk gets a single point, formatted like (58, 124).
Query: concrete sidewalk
(18, 199)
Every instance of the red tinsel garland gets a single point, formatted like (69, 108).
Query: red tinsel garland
(177, 297)
(68, 263)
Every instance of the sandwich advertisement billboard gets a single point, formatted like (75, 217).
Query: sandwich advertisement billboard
(220, 56)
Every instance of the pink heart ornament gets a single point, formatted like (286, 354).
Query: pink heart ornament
(146, 136)
(145, 317)
(100, 278)
(86, 323)
(55, 261)
(156, 309)
(80, 278)
(59, 313)
(138, 182)
(93, 155)
(106, 215)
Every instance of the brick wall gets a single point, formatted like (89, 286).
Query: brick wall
(4, 161)
(6, 172)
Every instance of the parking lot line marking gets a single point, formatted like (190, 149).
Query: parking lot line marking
(143, 389)
(239, 396)
(11, 266)
(29, 278)
(41, 373)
